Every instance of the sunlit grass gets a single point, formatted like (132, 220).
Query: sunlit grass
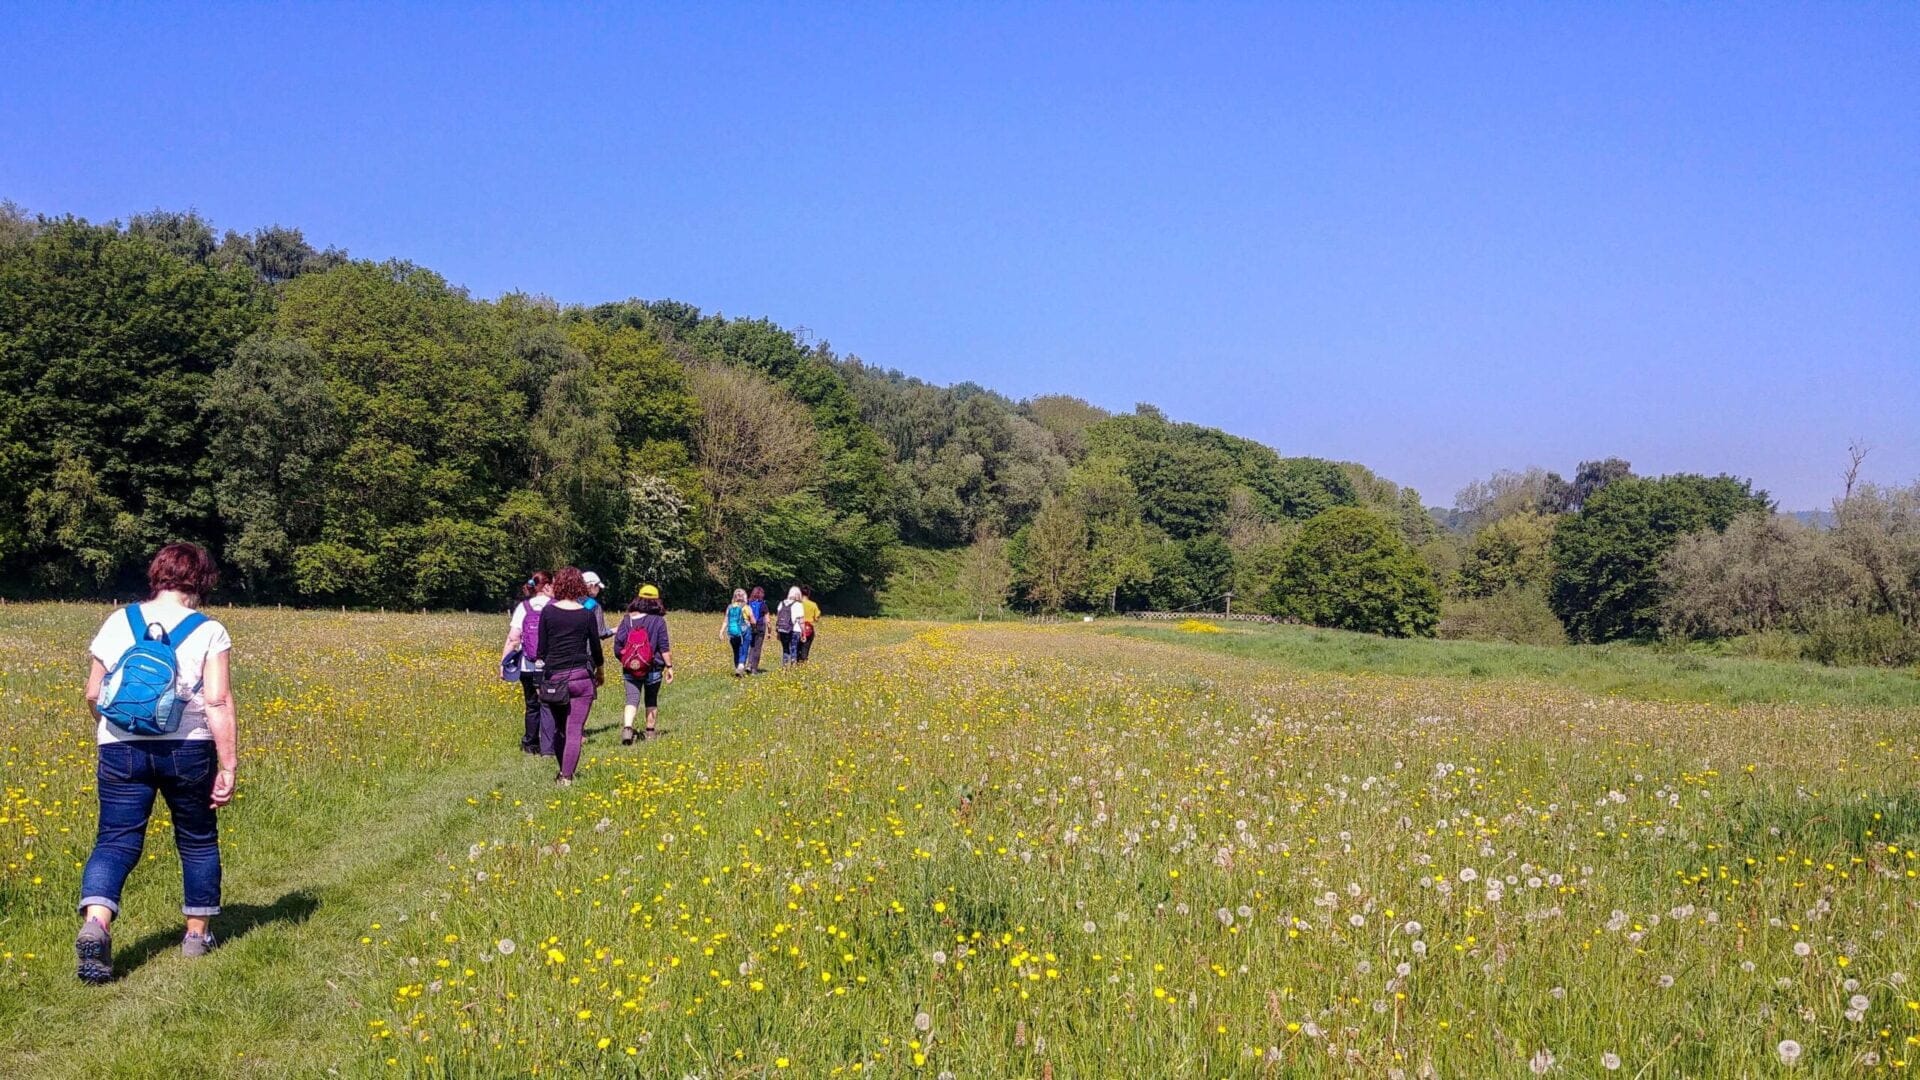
(998, 851)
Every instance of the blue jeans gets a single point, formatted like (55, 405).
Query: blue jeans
(740, 643)
(129, 775)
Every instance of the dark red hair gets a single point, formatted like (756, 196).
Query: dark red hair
(534, 584)
(184, 568)
(570, 584)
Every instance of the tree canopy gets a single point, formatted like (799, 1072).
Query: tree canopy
(346, 431)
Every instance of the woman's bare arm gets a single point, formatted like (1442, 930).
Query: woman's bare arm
(217, 689)
(95, 676)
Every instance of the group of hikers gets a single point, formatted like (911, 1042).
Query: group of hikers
(795, 621)
(159, 690)
(554, 650)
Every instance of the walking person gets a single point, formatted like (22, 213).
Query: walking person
(592, 602)
(569, 652)
(646, 616)
(516, 654)
(757, 600)
(787, 621)
(810, 627)
(738, 630)
(160, 692)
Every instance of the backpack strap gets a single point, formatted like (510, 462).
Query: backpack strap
(133, 621)
(178, 636)
(183, 630)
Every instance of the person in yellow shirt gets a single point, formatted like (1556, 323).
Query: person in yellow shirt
(810, 629)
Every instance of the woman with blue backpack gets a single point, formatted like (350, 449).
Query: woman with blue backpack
(739, 630)
(160, 691)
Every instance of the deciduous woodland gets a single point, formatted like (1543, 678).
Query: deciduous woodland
(359, 433)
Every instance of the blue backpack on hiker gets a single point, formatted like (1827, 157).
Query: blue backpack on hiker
(141, 694)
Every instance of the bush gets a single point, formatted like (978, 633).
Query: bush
(1516, 613)
(1351, 570)
(1857, 638)
(1606, 558)
(1765, 572)
(1768, 645)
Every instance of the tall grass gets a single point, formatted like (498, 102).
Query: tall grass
(1626, 670)
(983, 851)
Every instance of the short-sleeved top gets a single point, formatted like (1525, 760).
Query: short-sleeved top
(209, 639)
(518, 620)
(812, 610)
(796, 612)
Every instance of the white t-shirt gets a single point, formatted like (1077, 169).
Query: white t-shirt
(116, 637)
(518, 620)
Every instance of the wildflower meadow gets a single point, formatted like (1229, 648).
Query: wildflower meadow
(982, 850)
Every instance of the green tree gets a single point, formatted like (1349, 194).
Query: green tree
(1052, 553)
(1878, 530)
(655, 533)
(72, 514)
(1606, 558)
(434, 434)
(1592, 476)
(1308, 487)
(1513, 551)
(1350, 569)
(986, 575)
(1764, 572)
(1067, 418)
(276, 433)
(108, 343)
(754, 449)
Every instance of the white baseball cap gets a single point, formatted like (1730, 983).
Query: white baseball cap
(592, 579)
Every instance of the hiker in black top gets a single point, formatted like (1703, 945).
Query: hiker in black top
(569, 651)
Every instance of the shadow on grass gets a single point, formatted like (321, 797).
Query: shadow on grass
(234, 922)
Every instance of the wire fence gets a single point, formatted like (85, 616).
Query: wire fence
(1215, 608)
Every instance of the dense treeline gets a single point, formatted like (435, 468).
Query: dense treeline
(364, 433)
(1683, 558)
(353, 432)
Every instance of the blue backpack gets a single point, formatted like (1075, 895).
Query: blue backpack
(141, 693)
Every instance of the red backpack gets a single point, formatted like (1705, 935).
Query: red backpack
(636, 656)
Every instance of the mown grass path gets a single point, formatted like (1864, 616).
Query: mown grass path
(313, 857)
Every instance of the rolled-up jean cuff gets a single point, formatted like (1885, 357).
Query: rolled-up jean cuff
(99, 901)
(200, 912)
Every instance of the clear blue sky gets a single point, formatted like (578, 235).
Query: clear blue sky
(1437, 239)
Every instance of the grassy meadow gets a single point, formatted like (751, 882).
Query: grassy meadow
(993, 851)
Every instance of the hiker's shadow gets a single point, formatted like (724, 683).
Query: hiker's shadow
(234, 922)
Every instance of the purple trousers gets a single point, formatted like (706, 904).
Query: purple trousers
(563, 727)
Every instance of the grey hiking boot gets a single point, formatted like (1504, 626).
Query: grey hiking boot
(94, 950)
(194, 945)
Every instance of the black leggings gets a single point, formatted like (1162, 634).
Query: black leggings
(530, 689)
